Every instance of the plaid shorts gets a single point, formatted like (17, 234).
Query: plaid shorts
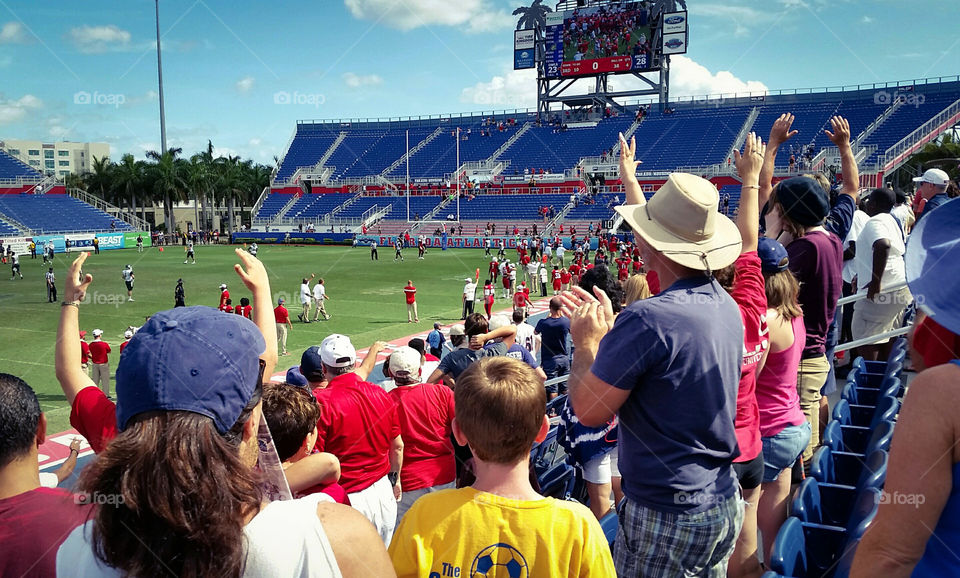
(655, 543)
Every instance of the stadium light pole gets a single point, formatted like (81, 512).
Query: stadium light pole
(163, 122)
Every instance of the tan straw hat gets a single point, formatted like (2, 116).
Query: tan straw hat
(682, 222)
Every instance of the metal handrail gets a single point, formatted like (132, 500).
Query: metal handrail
(873, 338)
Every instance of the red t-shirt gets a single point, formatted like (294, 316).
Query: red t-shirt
(653, 282)
(227, 308)
(748, 291)
(565, 277)
(358, 423)
(95, 417)
(520, 299)
(32, 527)
(224, 295)
(99, 351)
(425, 412)
(411, 293)
(84, 352)
(935, 343)
(281, 314)
(243, 310)
(122, 345)
(333, 490)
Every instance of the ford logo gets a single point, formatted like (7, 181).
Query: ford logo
(674, 43)
(674, 20)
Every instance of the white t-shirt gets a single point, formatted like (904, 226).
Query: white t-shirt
(527, 338)
(882, 226)
(850, 267)
(304, 293)
(49, 480)
(470, 291)
(319, 292)
(284, 539)
(543, 274)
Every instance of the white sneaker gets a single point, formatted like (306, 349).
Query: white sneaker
(130, 299)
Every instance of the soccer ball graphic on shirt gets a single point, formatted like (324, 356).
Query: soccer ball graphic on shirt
(500, 561)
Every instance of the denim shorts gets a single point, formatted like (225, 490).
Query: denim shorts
(780, 451)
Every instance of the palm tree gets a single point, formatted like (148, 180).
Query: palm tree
(169, 183)
(128, 179)
(97, 181)
(198, 179)
(533, 17)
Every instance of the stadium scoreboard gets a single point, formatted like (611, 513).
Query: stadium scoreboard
(603, 39)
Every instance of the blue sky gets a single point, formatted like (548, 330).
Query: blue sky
(87, 71)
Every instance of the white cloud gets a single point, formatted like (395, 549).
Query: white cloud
(866, 20)
(514, 89)
(16, 110)
(98, 39)
(12, 33)
(254, 142)
(475, 15)
(354, 80)
(245, 84)
(690, 78)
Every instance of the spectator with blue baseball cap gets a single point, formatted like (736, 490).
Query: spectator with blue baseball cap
(182, 481)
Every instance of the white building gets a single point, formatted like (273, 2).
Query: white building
(59, 158)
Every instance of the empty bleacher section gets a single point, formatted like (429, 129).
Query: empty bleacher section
(272, 205)
(57, 213)
(915, 109)
(546, 147)
(315, 206)
(6, 229)
(701, 137)
(13, 168)
(439, 157)
(309, 144)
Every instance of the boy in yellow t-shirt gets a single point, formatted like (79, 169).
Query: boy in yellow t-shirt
(500, 526)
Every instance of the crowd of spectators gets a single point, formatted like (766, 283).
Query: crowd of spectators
(205, 466)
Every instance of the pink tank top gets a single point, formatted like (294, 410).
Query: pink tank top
(777, 386)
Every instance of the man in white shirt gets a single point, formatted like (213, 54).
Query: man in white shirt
(880, 266)
(526, 336)
(560, 251)
(850, 271)
(469, 296)
(543, 281)
(319, 296)
(305, 297)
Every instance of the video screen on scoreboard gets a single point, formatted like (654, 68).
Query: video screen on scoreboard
(598, 39)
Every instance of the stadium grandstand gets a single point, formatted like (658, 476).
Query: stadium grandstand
(343, 174)
(33, 204)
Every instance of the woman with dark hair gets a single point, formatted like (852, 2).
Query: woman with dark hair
(177, 487)
(799, 215)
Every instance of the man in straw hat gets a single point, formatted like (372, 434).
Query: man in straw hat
(669, 367)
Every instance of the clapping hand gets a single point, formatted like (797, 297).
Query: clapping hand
(591, 316)
(751, 161)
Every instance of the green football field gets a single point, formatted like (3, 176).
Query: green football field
(366, 299)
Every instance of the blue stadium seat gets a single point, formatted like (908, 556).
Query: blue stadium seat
(13, 168)
(833, 508)
(609, 523)
(849, 470)
(863, 395)
(58, 213)
(558, 481)
(866, 415)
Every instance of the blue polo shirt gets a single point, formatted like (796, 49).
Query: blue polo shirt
(679, 355)
(934, 202)
(553, 340)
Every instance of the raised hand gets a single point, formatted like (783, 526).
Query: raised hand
(841, 132)
(751, 161)
(628, 162)
(251, 272)
(75, 286)
(780, 131)
(591, 316)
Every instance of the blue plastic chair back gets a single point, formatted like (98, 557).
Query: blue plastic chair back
(841, 412)
(833, 436)
(881, 438)
(850, 393)
(807, 505)
(822, 467)
(610, 524)
(863, 513)
(887, 409)
(557, 482)
(874, 472)
(789, 556)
